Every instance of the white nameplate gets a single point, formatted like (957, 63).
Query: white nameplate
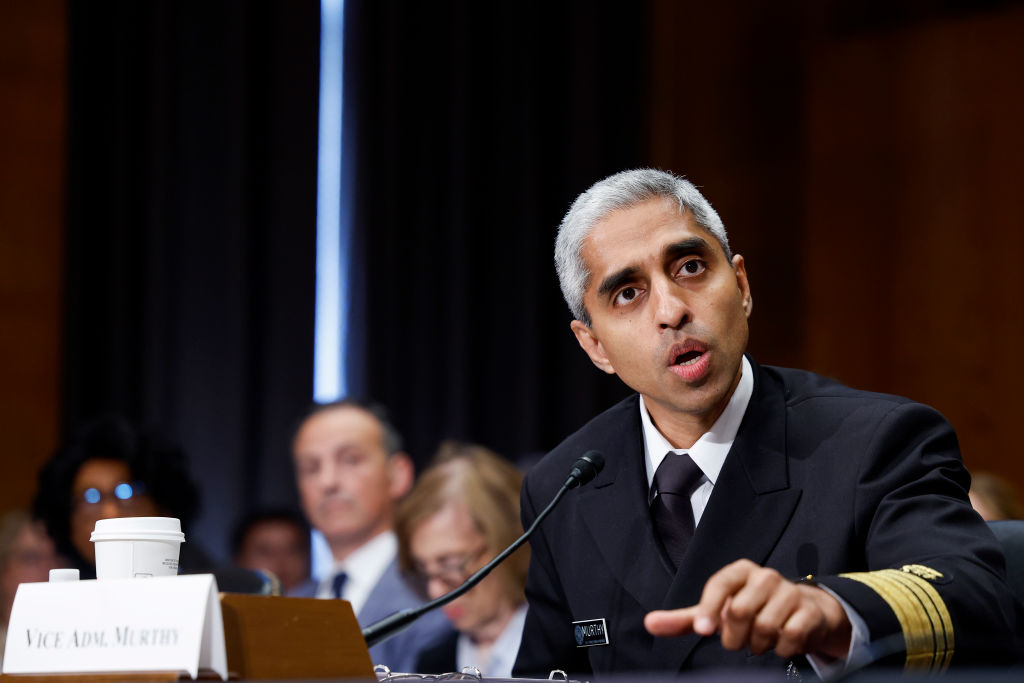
(170, 623)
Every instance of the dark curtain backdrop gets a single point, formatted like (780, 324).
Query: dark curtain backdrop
(476, 124)
(191, 226)
(470, 127)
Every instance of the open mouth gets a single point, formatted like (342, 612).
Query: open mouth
(688, 358)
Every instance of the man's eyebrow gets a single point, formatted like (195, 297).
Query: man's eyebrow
(616, 280)
(687, 246)
(675, 250)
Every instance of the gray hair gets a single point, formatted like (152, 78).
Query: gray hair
(622, 191)
(391, 438)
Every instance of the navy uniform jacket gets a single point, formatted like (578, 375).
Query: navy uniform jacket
(866, 492)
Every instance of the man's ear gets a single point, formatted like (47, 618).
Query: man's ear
(401, 473)
(591, 345)
(740, 268)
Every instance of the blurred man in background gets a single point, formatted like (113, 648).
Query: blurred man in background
(27, 555)
(351, 473)
(994, 497)
(276, 541)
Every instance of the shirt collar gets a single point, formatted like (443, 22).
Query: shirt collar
(372, 558)
(713, 446)
(364, 568)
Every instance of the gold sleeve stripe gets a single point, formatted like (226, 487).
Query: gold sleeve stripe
(921, 612)
(938, 615)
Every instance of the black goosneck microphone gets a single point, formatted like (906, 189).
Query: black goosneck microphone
(583, 470)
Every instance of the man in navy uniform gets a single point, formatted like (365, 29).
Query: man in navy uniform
(746, 514)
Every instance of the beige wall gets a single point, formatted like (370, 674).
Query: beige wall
(32, 138)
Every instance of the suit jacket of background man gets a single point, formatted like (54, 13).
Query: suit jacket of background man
(822, 480)
(392, 594)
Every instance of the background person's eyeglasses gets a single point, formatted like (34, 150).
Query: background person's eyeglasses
(451, 571)
(125, 495)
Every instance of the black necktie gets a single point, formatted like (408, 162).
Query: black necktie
(337, 583)
(676, 478)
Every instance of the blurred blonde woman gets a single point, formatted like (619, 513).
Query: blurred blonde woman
(462, 512)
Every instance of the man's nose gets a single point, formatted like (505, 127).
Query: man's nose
(670, 308)
(329, 476)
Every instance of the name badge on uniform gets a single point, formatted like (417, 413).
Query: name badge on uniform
(590, 632)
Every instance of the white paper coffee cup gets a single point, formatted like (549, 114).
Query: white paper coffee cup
(137, 547)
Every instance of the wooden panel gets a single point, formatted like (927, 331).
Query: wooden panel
(130, 677)
(915, 167)
(726, 105)
(32, 122)
(867, 161)
(278, 638)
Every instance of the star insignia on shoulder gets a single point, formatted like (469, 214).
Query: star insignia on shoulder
(922, 571)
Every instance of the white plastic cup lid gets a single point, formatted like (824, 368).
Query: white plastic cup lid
(141, 528)
(59, 575)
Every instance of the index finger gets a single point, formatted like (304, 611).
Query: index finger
(676, 622)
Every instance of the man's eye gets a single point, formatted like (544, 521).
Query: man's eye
(693, 267)
(351, 458)
(626, 295)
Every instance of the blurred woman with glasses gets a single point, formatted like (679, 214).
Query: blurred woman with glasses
(111, 469)
(462, 512)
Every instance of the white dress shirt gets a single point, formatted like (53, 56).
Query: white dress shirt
(709, 453)
(711, 448)
(363, 570)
